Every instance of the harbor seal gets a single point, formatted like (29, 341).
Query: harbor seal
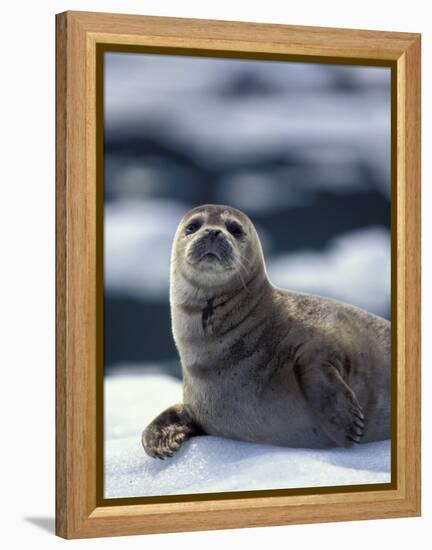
(260, 363)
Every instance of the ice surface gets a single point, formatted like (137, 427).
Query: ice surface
(354, 268)
(207, 99)
(212, 464)
(139, 234)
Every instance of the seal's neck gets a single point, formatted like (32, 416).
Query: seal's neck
(199, 315)
(186, 292)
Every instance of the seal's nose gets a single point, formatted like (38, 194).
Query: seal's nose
(213, 233)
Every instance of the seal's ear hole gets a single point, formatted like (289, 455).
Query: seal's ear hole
(234, 228)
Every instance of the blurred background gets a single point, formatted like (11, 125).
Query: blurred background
(302, 148)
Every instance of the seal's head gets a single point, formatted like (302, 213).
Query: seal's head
(216, 245)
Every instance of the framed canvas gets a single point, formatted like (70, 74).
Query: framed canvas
(237, 274)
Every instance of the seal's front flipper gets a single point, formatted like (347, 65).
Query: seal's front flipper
(334, 402)
(164, 435)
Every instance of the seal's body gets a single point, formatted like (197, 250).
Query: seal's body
(263, 364)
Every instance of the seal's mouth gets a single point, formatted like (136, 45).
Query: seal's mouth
(211, 249)
(210, 257)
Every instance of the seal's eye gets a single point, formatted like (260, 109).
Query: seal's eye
(192, 227)
(234, 228)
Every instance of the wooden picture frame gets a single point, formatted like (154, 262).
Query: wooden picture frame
(81, 36)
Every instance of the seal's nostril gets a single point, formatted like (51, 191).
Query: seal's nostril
(213, 232)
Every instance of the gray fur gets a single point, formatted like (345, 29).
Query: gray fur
(264, 364)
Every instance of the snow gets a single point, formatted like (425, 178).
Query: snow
(211, 464)
(354, 268)
(189, 102)
(139, 234)
(127, 75)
